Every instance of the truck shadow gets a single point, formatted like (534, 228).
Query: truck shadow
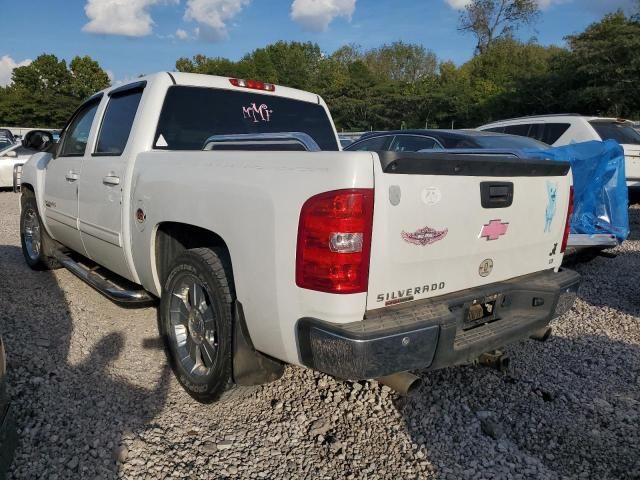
(71, 405)
(610, 280)
(568, 407)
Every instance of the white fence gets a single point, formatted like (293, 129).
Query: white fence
(21, 131)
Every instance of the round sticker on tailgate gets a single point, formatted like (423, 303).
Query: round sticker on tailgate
(485, 267)
(431, 195)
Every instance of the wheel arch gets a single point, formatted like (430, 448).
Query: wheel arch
(172, 238)
(24, 187)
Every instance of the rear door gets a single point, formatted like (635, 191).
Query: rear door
(101, 185)
(444, 224)
(63, 175)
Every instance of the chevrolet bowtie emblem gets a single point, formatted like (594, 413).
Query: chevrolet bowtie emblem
(494, 230)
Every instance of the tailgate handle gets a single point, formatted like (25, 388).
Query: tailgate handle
(496, 194)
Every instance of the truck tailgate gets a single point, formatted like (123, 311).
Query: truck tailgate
(446, 223)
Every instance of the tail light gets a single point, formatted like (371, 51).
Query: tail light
(567, 226)
(253, 84)
(334, 241)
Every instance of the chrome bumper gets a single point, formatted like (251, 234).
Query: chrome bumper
(435, 333)
(600, 240)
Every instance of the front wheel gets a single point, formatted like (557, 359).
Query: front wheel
(196, 322)
(36, 243)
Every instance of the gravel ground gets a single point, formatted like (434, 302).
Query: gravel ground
(95, 399)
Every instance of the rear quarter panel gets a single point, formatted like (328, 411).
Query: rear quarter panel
(253, 201)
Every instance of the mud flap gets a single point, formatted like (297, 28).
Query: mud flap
(250, 367)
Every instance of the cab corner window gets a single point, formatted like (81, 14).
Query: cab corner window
(117, 122)
(77, 133)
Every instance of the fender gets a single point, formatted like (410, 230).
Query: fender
(34, 174)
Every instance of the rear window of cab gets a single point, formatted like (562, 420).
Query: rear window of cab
(190, 115)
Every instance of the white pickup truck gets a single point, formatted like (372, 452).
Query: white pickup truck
(231, 202)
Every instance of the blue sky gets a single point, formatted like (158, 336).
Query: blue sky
(131, 37)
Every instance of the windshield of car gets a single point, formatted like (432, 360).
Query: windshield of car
(622, 133)
(506, 141)
(190, 115)
(5, 144)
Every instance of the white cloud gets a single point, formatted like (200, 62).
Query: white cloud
(121, 17)
(212, 16)
(181, 34)
(458, 4)
(316, 15)
(7, 64)
(543, 4)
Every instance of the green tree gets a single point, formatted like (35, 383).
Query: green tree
(401, 62)
(46, 92)
(87, 77)
(501, 79)
(489, 20)
(605, 66)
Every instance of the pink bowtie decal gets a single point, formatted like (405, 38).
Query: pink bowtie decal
(494, 230)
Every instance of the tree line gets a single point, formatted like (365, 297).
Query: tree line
(399, 85)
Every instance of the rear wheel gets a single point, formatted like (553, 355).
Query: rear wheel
(37, 245)
(196, 322)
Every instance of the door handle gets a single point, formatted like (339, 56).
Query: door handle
(71, 176)
(496, 194)
(111, 180)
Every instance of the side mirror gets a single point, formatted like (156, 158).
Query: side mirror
(11, 154)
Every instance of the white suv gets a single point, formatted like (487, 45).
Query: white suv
(558, 130)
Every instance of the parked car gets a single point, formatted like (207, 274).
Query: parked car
(11, 154)
(419, 140)
(278, 248)
(8, 436)
(559, 130)
(345, 142)
(6, 135)
(472, 142)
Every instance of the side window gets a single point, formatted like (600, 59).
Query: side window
(537, 131)
(117, 122)
(553, 131)
(522, 130)
(371, 145)
(412, 143)
(494, 129)
(77, 133)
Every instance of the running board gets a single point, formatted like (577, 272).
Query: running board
(108, 287)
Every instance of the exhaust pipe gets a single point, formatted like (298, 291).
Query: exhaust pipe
(541, 335)
(496, 360)
(403, 383)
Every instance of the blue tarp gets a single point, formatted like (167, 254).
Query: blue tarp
(601, 198)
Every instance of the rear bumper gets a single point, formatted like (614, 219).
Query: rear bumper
(433, 333)
(8, 438)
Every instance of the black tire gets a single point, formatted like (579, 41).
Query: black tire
(37, 252)
(182, 331)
